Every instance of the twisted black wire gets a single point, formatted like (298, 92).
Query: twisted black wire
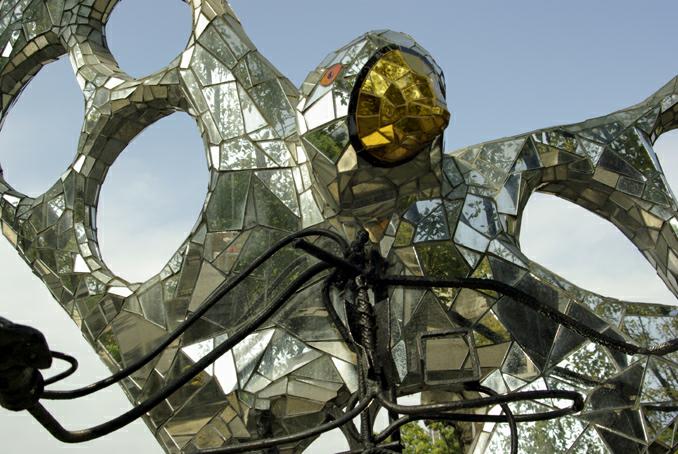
(366, 321)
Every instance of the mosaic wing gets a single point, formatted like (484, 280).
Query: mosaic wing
(256, 194)
(607, 166)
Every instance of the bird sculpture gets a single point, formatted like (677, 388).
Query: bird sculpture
(384, 222)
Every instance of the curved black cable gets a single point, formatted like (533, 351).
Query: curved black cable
(68, 372)
(52, 425)
(581, 379)
(536, 305)
(510, 417)
(669, 346)
(212, 299)
(418, 410)
(350, 426)
(444, 411)
(334, 316)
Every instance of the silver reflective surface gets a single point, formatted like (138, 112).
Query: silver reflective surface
(283, 159)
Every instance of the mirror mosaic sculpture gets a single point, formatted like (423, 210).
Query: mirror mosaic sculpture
(358, 146)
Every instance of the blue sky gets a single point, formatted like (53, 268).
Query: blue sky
(510, 67)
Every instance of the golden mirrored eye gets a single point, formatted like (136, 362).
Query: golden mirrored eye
(330, 75)
(399, 108)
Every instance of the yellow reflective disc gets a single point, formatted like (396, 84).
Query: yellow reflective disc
(399, 112)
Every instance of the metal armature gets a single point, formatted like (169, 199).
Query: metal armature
(360, 271)
(279, 318)
(357, 271)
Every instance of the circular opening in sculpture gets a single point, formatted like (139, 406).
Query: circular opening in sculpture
(588, 251)
(141, 42)
(151, 198)
(40, 135)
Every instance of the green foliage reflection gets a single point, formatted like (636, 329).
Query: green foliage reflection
(436, 438)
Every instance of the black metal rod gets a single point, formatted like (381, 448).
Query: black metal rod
(661, 407)
(416, 410)
(327, 257)
(212, 299)
(581, 379)
(444, 411)
(350, 427)
(58, 431)
(510, 417)
(336, 319)
(533, 303)
(392, 417)
(73, 366)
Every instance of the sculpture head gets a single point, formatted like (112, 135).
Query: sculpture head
(371, 120)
